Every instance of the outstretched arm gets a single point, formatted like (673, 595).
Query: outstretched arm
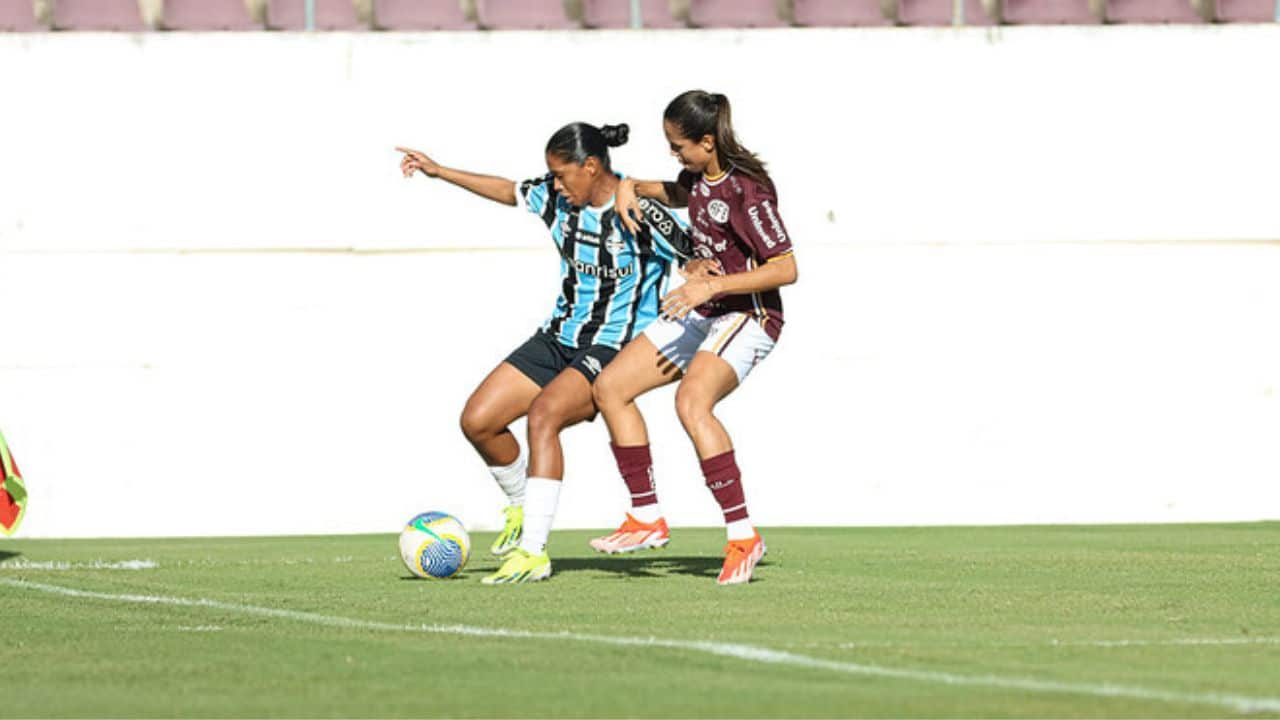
(487, 186)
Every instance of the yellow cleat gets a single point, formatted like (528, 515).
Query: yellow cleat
(521, 566)
(511, 531)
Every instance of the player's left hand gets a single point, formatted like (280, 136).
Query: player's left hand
(679, 302)
(701, 268)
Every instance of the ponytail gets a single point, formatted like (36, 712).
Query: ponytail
(697, 113)
(578, 141)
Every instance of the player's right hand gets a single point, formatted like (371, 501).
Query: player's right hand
(628, 206)
(414, 161)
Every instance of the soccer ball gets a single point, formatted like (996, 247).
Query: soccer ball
(434, 545)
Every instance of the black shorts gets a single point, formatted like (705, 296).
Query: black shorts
(542, 358)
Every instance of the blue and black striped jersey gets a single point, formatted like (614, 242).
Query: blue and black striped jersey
(610, 280)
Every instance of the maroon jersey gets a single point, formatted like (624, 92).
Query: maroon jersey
(735, 220)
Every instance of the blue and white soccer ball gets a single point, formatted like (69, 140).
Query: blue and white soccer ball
(434, 545)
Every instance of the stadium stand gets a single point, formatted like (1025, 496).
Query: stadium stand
(1243, 10)
(834, 13)
(1053, 12)
(929, 12)
(20, 16)
(528, 14)
(129, 15)
(214, 15)
(1152, 11)
(740, 13)
(330, 14)
(422, 15)
(617, 14)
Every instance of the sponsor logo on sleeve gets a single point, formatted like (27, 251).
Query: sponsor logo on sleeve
(778, 235)
(657, 218)
(773, 221)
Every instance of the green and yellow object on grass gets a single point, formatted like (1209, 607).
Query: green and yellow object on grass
(13, 494)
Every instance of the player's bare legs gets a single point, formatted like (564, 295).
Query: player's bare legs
(635, 371)
(564, 402)
(639, 368)
(504, 396)
(708, 381)
(501, 399)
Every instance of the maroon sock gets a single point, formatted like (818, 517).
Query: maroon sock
(725, 483)
(636, 467)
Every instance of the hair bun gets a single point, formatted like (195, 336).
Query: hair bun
(615, 135)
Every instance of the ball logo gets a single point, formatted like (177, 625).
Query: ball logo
(719, 210)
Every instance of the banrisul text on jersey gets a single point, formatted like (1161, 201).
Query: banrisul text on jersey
(610, 280)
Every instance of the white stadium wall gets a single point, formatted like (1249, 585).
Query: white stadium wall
(1038, 273)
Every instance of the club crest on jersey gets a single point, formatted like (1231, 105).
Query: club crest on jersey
(719, 210)
(614, 245)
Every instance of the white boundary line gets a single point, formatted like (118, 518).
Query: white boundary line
(21, 564)
(1238, 703)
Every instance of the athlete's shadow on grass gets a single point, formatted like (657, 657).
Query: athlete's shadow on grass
(5, 555)
(645, 566)
(636, 566)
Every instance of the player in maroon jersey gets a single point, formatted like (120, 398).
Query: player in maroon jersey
(714, 329)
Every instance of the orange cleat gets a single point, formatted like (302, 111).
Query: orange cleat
(634, 535)
(740, 558)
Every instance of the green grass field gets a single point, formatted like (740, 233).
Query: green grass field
(1132, 621)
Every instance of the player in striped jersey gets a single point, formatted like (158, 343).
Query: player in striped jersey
(611, 280)
(715, 328)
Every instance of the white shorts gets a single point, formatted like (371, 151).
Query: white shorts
(737, 338)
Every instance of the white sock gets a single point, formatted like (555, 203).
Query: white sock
(512, 480)
(741, 530)
(541, 498)
(647, 513)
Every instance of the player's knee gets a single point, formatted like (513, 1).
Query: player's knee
(605, 390)
(692, 407)
(545, 417)
(475, 426)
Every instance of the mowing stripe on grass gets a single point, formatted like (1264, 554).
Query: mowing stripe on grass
(1054, 643)
(1171, 642)
(1238, 703)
